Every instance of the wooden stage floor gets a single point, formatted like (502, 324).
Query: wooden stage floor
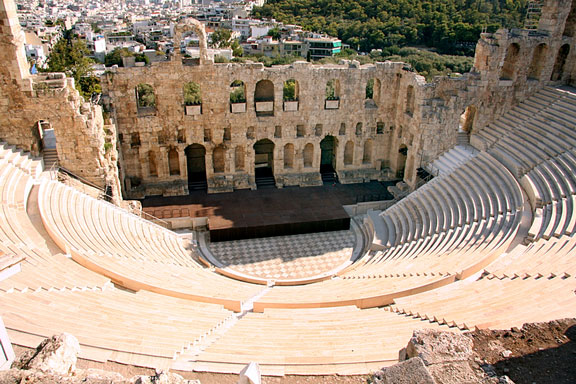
(248, 214)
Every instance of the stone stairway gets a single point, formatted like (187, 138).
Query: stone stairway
(450, 160)
(50, 156)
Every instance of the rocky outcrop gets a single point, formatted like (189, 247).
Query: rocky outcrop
(54, 362)
(436, 357)
(56, 355)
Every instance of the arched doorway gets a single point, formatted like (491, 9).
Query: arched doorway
(558, 71)
(328, 147)
(196, 165)
(264, 163)
(466, 123)
(401, 161)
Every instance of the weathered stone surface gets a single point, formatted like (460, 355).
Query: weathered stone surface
(455, 372)
(57, 354)
(434, 346)
(407, 372)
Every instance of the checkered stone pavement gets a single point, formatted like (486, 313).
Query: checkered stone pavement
(286, 257)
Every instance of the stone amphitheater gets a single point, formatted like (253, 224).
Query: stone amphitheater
(487, 243)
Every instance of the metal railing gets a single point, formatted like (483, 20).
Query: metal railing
(56, 170)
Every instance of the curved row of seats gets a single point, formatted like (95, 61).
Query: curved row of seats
(448, 225)
(495, 303)
(343, 341)
(134, 253)
(41, 268)
(141, 328)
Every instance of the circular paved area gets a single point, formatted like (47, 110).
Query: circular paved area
(286, 257)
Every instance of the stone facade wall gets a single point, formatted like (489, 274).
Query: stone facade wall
(167, 126)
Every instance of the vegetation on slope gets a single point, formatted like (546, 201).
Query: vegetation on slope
(447, 25)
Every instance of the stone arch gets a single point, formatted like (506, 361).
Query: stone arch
(219, 159)
(173, 161)
(509, 67)
(328, 151)
(467, 119)
(560, 62)
(410, 100)
(237, 92)
(333, 89)
(239, 158)
(570, 25)
(308, 155)
(367, 154)
(196, 166)
(192, 93)
(289, 155)
(264, 91)
(191, 25)
(145, 97)
(152, 164)
(263, 159)
(538, 61)
(264, 98)
(349, 153)
(290, 90)
(401, 161)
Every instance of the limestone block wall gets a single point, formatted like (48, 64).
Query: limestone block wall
(367, 132)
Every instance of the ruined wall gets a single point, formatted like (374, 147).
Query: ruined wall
(357, 119)
(27, 99)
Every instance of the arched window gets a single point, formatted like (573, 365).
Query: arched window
(410, 100)
(264, 91)
(359, 129)
(264, 98)
(509, 67)
(308, 155)
(145, 97)
(290, 90)
(173, 162)
(218, 159)
(239, 158)
(289, 155)
(333, 90)
(237, 92)
(538, 61)
(152, 164)
(342, 130)
(192, 94)
(367, 156)
(349, 153)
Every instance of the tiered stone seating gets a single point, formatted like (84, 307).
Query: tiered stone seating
(342, 340)
(454, 223)
(133, 252)
(451, 160)
(494, 303)
(143, 328)
(19, 238)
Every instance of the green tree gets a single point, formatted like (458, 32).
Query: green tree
(146, 97)
(274, 33)
(115, 57)
(70, 55)
(221, 38)
(192, 95)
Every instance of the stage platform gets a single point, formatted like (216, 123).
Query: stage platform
(249, 214)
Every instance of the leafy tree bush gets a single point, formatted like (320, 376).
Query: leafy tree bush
(115, 57)
(289, 90)
(146, 97)
(238, 95)
(192, 95)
